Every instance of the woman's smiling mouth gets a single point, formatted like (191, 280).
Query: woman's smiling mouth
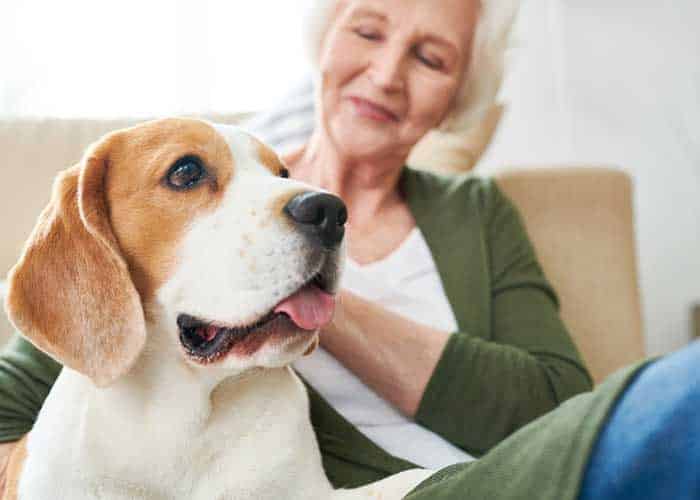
(372, 110)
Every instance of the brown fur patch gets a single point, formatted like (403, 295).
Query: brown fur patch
(14, 469)
(71, 293)
(149, 219)
(269, 158)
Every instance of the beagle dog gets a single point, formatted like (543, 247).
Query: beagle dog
(176, 273)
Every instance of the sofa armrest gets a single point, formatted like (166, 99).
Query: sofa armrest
(581, 223)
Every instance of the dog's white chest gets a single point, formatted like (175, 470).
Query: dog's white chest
(256, 443)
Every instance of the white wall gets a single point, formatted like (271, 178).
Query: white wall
(618, 83)
(82, 58)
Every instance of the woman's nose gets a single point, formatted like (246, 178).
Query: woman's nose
(320, 216)
(387, 68)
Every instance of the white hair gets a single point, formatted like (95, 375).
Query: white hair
(483, 75)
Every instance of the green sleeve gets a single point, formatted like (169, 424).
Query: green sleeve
(484, 389)
(26, 377)
(545, 460)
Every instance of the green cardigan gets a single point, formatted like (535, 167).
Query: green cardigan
(511, 361)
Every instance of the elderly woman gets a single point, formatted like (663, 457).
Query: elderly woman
(447, 338)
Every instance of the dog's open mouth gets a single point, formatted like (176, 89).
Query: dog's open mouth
(306, 310)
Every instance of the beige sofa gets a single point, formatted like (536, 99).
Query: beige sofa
(580, 220)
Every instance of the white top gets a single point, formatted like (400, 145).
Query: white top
(405, 282)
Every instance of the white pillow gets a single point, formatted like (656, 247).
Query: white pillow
(288, 124)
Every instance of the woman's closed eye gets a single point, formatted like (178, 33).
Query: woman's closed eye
(368, 33)
(429, 60)
(424, 56)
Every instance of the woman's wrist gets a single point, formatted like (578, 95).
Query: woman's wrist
(341, 326)
(343, 302)
(390, 353)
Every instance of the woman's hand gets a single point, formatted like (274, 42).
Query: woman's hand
(5, 452)
(391, 354)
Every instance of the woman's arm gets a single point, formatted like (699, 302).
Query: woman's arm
(472, 391)
(391, 354)
(482, 391)
(26, 377)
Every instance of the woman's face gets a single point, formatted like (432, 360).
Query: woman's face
(390, 70)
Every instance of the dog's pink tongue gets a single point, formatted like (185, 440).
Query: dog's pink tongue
(310, 308)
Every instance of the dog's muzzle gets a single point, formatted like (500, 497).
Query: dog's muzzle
(321, 218)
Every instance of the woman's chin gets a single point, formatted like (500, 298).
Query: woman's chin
(366, 142)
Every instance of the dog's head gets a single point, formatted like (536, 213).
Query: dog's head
(189, 226)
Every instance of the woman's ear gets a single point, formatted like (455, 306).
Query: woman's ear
(71, 293)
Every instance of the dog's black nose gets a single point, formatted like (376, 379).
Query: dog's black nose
(321, 216)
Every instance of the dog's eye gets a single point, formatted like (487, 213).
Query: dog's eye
(186, 173)
(284, 173)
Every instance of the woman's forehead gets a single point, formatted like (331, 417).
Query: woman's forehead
(451, 20)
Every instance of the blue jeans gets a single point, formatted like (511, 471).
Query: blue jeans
(650, 446)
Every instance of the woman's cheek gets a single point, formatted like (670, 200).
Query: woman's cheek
(345, 58)
(433, 97)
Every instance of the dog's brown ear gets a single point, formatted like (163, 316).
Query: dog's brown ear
(71, 293)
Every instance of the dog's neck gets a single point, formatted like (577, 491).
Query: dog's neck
(162, 382)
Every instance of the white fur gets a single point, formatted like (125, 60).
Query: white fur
(173, 429)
